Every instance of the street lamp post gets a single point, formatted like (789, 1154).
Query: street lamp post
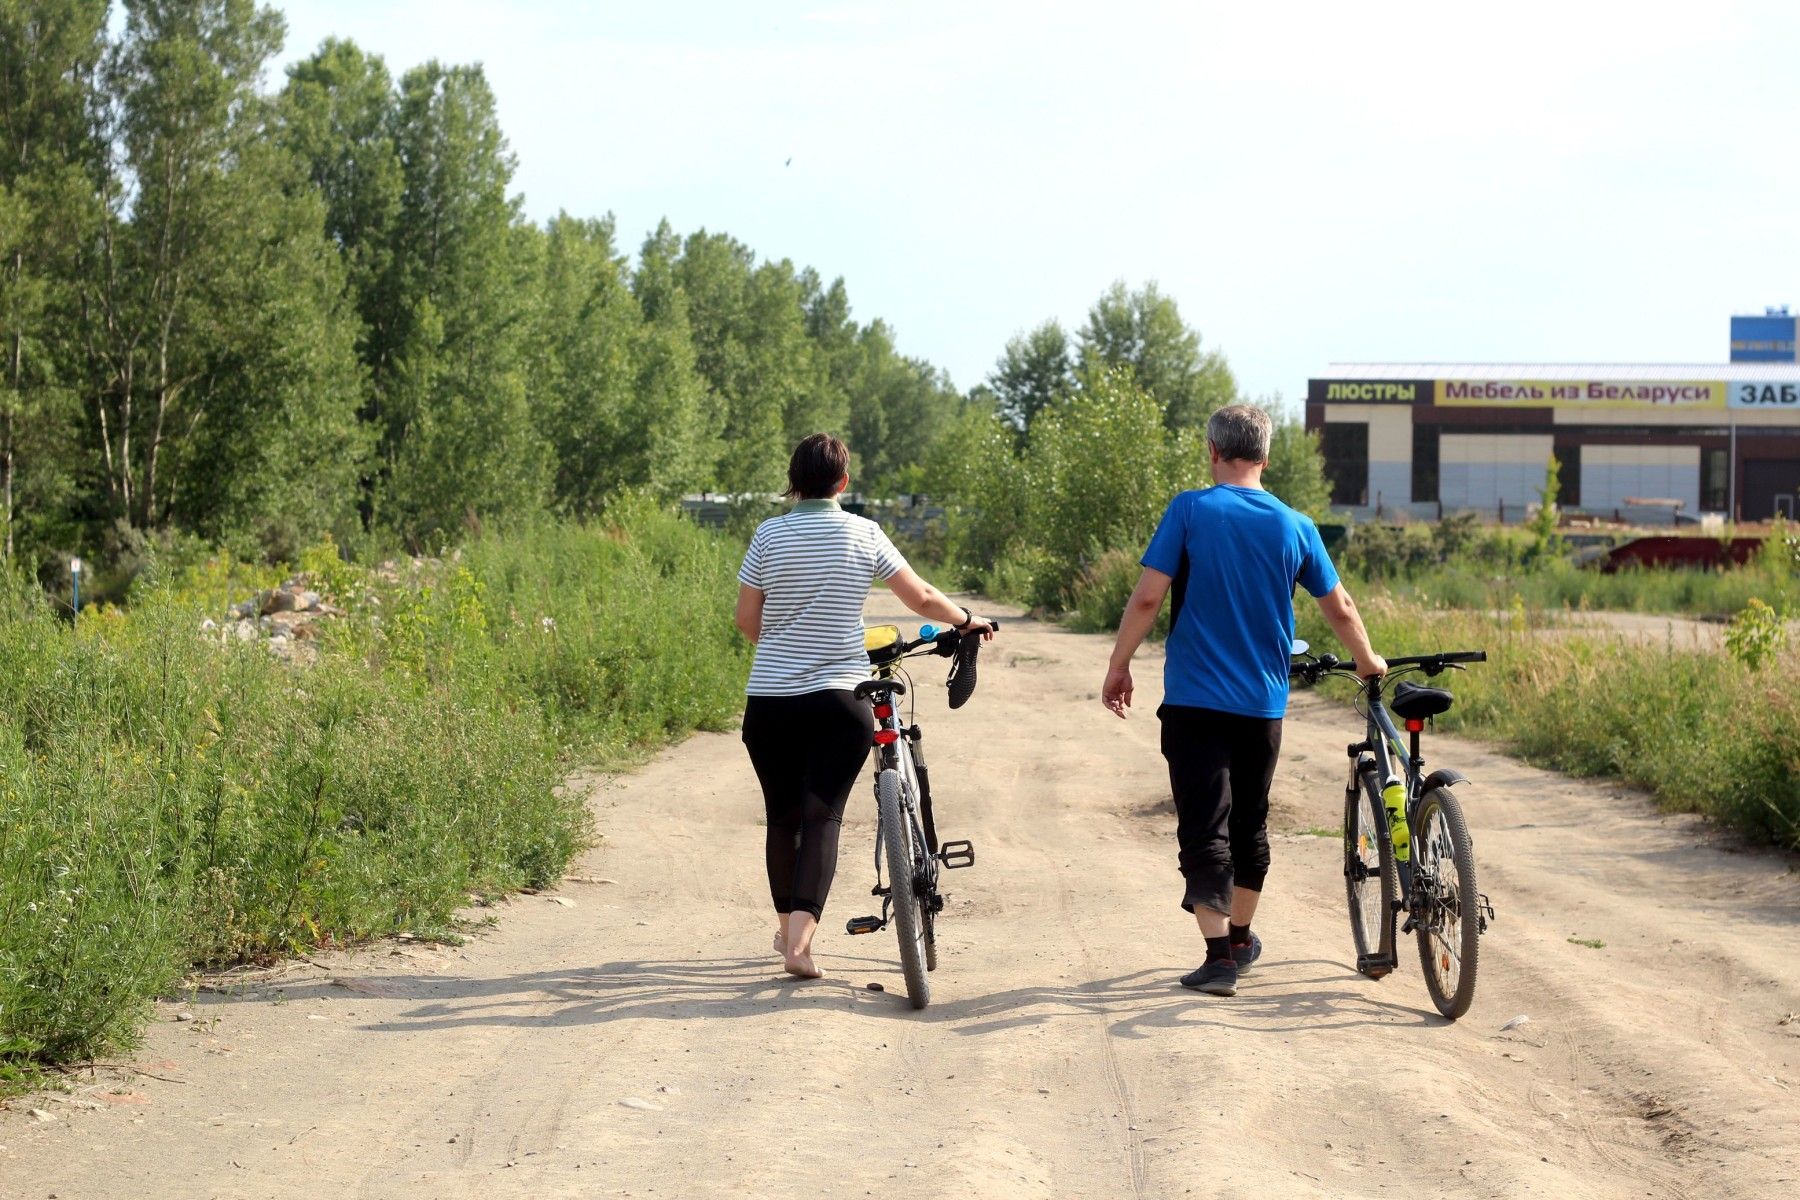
(75, 584)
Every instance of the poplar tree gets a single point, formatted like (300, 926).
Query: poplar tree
(49, 53)
(457, 443)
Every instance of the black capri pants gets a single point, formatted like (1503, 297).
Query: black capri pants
(1220, 769)
(807, 751)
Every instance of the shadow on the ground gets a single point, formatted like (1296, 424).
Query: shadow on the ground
(1277, 998)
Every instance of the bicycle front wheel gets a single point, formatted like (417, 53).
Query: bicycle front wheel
(1450, 934)
(903, 869)
(1371, 880)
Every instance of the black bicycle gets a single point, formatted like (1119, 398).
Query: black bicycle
(1406, 843)
(906, 834)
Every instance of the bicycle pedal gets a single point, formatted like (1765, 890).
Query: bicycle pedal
(956, 854)
(864, 925)
(1374, 965)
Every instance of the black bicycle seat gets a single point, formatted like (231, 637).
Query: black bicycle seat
(879, 687)
(1415, 703)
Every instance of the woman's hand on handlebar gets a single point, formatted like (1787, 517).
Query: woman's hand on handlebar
(1371, 666)
(977, 625)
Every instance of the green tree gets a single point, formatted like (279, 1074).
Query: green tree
(1296, 471)
(216, 348)
(616, 397)
(1034, 373)
(337, 116)
(1143, 332)
(1544, 538)
(750, 347)
(457, 442)
(50, 53)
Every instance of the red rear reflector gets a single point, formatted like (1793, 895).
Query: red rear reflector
(883, 711)
(886, 737)
(1414, 725)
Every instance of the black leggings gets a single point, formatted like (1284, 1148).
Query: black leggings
(807, 751)
(1220, 768)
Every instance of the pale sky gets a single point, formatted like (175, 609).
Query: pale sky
(1312, 182)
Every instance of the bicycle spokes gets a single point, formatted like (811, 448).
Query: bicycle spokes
(1441, 885)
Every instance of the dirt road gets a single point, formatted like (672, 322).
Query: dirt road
(638, 1040)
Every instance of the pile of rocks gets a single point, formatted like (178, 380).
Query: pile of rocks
(286, 617)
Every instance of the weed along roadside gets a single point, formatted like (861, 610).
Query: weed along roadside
(173, 800)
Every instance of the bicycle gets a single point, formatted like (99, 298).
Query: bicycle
(905, 833)
(1388, 869)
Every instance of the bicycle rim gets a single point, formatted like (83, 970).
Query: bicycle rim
(908, 917)
(1449, 934)
(1371, 881)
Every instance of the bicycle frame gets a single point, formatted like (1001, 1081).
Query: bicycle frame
(898, 747)
(1399, 768)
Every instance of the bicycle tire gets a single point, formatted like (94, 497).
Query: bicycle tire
(897, 839)
(1368, 866)
(1434, 843)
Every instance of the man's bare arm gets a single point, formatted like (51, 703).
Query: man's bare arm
(1134, 626)
(1340, 613)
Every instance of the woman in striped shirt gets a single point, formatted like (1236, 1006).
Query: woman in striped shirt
(803, 584)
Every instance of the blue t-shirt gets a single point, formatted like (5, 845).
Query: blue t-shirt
(1235, 554)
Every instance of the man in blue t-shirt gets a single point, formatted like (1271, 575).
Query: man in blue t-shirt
(1232, 555)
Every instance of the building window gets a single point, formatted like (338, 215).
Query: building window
(1715, 480)
(1568, 478)
(1425, 464)
(1347, 461)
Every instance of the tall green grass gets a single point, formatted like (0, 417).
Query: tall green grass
(168, 801)
(1699, 730)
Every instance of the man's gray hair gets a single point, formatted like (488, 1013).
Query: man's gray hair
(1240, 431)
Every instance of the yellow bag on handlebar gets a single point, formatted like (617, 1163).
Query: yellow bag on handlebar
(882, 642)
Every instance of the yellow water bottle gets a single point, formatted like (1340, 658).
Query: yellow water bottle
(1393, 798)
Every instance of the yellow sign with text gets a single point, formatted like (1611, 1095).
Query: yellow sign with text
(1581, 393)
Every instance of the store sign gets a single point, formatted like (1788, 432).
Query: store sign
(1581, 393)
(1369, 391)
(1779, 396)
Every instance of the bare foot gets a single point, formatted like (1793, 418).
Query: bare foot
(781, 943)
(801, 965)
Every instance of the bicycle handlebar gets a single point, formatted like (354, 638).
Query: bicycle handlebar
(963, 648)
(1431, 664)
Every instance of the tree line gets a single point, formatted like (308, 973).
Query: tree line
(262, 316)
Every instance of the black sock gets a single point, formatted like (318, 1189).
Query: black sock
(1218, 948)
(1240, 935)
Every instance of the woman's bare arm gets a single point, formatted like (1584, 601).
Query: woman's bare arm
(749, 611)
(926, 600)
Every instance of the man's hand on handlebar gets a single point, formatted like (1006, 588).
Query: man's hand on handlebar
(1371, 667)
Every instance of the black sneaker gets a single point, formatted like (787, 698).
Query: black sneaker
(1245, 953)
(1213, 978)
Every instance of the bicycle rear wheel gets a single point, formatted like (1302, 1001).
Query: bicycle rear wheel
(909, 918)
(1371, 880)
(1450, 934)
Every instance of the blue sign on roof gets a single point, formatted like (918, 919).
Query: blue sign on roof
(1763, 339)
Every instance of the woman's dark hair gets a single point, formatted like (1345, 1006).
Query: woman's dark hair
(818, 463)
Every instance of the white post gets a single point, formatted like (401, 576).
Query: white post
(1731, 504)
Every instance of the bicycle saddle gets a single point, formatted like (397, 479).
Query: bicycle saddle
(1415, 703)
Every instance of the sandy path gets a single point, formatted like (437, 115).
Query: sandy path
(638, 1043)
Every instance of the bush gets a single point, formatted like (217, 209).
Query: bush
(1097, 473)
(1102, 591)
(167, 802)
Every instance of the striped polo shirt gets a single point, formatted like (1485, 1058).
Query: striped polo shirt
(813, 566)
